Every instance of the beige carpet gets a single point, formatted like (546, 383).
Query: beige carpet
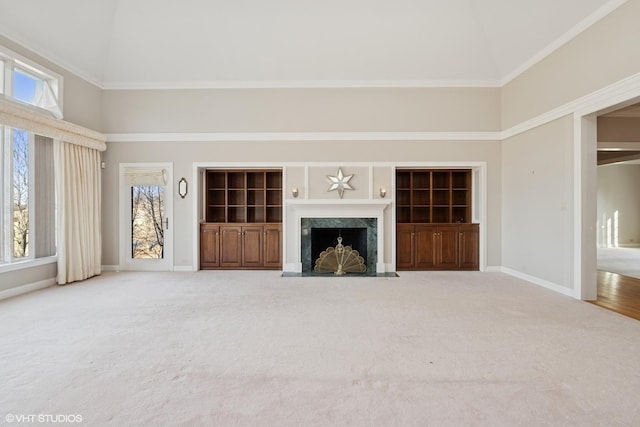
(253, 348)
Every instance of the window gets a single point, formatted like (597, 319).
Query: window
(28, 206)
(28, 83)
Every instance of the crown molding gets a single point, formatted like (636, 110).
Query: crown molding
(54, 59)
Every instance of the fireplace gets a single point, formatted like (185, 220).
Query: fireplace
(318, 234)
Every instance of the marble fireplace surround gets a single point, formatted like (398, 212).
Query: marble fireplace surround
(296, 210)
(364, 230)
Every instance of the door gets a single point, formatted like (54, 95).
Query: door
(426, 242)
(146, 210)
(209, 246)
(447, 257)
(404, 247)
(273, 246)
(469, 247)
(252, 246)
(230, 246)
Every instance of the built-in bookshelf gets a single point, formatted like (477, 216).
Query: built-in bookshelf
(243, 196)
(433, 196)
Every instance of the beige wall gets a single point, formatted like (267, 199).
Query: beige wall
(183, 156)
(537, 202)
(618, 205)
(605, 53)
(302, 110)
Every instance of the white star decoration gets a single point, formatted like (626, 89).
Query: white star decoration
(340, 182)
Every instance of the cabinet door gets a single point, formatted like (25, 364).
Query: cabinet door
(230, 246)
(209, 246)
(404, 247)
(273, 246)
(469, 247)
(252, 246)
(447, 250)
(425, 241)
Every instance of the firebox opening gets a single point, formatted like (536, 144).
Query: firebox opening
(318, 234)
(323, 238)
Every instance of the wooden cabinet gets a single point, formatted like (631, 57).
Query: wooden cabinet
(437, 247)
(232, 246)
(469, 246)
(272, 255)
(209, 246)
(243, 214)
(433, 213)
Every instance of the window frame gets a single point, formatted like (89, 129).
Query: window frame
(10, 61)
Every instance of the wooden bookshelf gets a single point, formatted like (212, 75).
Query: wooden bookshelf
(243, 196)
(441, 196)
(433, 216)
(243, 220)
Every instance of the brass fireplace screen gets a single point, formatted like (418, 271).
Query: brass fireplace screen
(340, 260)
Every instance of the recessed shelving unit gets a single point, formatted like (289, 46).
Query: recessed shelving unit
(433, 196)
(251, 196)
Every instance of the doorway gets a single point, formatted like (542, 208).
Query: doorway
(146, 210)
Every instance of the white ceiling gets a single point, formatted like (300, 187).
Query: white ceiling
(249, 43)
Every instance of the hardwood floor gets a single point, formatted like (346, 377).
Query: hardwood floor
(619, 293)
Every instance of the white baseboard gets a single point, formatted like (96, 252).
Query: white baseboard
(19, 290)
(493, 269)
(540, 282)
(110, 268)
(183, 268)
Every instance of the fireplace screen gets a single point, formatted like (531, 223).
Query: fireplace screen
(340, 260)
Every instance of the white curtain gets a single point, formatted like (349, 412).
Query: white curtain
(78, 196)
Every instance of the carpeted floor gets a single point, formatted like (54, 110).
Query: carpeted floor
(253, 348)
(625, 261)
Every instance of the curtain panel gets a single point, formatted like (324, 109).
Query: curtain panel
(78, 197)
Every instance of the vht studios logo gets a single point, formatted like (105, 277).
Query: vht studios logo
(43, 418)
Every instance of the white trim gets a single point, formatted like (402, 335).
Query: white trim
(537, 281)
(619, 146)
(556, 44)
(612, 94)
(28, 263)
(23, 289)
(301, 136)
(183, 268)
(110, 268)
(300, 84)
(493, 269)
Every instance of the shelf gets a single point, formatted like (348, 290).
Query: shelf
(433, 195)
(255, 180)
(243, 196)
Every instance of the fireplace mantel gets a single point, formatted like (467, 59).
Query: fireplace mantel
(326, 208)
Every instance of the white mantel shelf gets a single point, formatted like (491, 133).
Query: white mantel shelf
(333, 208)
(338, 202)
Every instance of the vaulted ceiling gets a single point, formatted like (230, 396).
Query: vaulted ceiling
(249, 43)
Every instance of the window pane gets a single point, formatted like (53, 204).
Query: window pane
(147, 214)
(25, 86)
(20, 193)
